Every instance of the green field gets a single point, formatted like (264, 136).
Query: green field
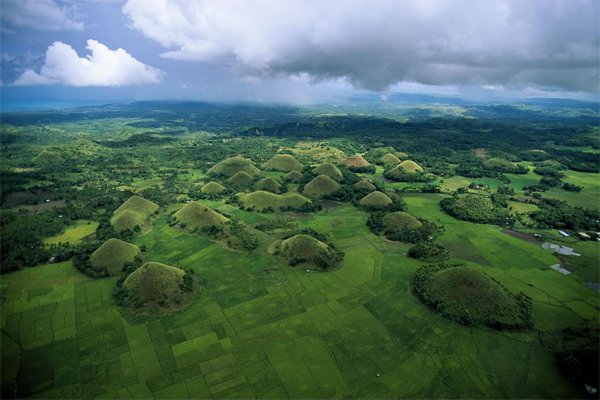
(74, 233)
(260, 328)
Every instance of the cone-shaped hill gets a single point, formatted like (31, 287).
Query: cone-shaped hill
(241, 179)
(261, 200)
(364, 185)
(112, 256)
(410, 166)
(320, 186)
(155, 288)
(268, 184)
(328, 169)
(376, 199)
(305, 248)
(356, 161)
(232, 165)
(293, 176)
(282, 162)
(389, 159)
(400, 220)
(213, 188)
(136, 211)
(47, 157)
(195, 215)
(469, 296)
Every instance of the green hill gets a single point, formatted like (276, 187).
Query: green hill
(47, 157)
(501, 165)
(302, 248)
(194, 215)
(135, 211)
(469, 296)
(293, 176)
(475, 208)
(364, 185)
(320, 186)
(154, 288)
(326, 153)
(213, 188)
(389, 159)
(355, 161)
(376, 199)
(269, 185)
(232, 165)
(400, 220)
(328, 169)
(282, 162)
(261, 200)
(113, 255)
(241, 179)
(410, 166)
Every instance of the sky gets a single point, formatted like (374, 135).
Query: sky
(297, 51)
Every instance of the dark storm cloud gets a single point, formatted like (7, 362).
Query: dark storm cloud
(374, 44)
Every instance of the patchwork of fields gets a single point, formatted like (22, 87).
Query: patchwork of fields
(262, 329)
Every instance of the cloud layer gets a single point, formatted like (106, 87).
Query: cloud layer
(102, 67)
(374, 44)
(44, 15)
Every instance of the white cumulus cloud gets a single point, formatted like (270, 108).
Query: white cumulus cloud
(44, 15)
(374, 44)
(102, 67)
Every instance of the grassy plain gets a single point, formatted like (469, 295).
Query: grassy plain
(260, 328)
(75, 233)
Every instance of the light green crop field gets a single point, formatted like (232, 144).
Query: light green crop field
(589, 197)
(262, 329)
(75, 233)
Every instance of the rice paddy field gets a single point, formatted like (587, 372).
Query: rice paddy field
(263, 329)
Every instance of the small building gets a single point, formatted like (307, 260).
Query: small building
(584, 235)
(564, 234)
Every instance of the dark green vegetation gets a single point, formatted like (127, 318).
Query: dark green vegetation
(470, 297)
(475, 208)
(241, 322)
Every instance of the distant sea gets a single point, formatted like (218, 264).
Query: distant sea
(16, 106)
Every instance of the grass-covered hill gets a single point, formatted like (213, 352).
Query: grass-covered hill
(364, 185)
(376, 200)
(320, 186)
(213, 188)
(112, 256)
(389, 160)
(322, 153)
(328, 169)
(303, 248)
(400, 220)
(268, 184)
(356, 160)
(283, 163)
(47, 157)
(232, 165)
(135, 211)
(407, 171)
(469, 296)
(155, 288)
(293, 176)
(410, 166)
(195, 216)
(501, 165)
(241, 179)
(475, 208)
(262, 200)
